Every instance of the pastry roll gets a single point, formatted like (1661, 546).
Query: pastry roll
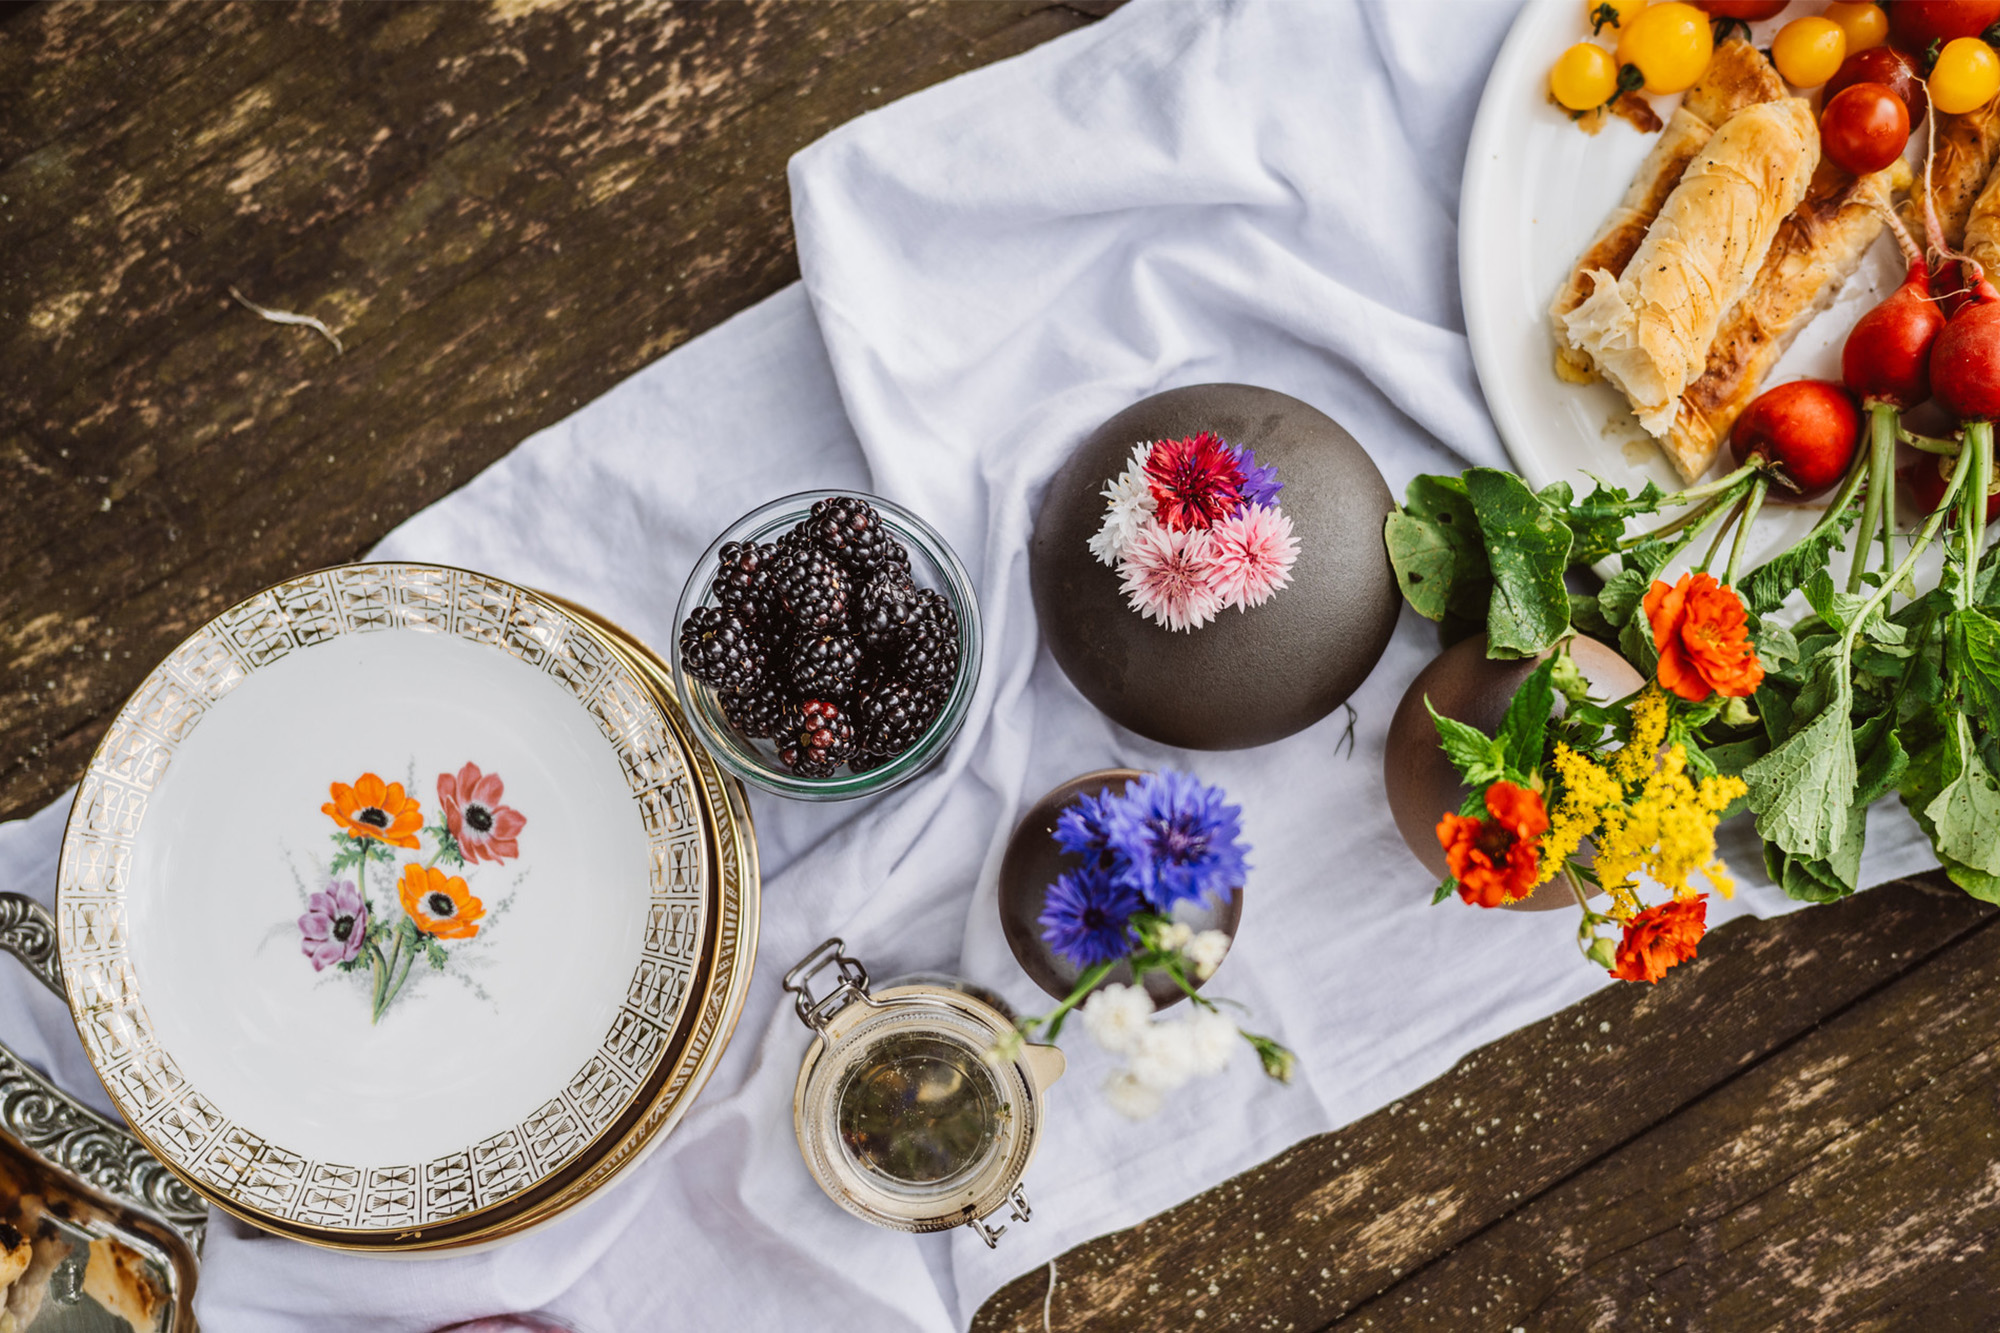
(1649, 331)
(1966, 147)
(1982, 229)
(1737, 76)
(1817, 249)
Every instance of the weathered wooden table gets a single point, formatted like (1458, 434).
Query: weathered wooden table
(506, 209)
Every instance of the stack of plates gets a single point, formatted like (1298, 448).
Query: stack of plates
(398, 911)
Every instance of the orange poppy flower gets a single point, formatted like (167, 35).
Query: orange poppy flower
(440, 904)
(1496, 860)
(373, 809)
(1703, 636)
(1660, 937)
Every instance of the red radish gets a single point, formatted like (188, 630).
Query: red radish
(1965, 360)
(1806, 431)
(1885, 65)
(1926, 481)
(1888, 352)
(1915, 24)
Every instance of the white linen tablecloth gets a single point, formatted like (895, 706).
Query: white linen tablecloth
(1183, 193)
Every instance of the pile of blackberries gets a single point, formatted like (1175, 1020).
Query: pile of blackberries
(821, 642)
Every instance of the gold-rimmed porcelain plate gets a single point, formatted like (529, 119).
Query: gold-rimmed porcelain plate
(387, 901)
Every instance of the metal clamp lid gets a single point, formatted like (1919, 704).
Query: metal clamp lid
(853, 987)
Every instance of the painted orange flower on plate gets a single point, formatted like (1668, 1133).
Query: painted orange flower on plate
(1660, 937)
(439, 904)
(374, 809)
(1703, 636)
(1496, 860)
(485, 829)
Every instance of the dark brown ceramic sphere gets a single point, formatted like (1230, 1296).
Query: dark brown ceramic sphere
(1467, 686)
(1247, 677)
(1033, 861)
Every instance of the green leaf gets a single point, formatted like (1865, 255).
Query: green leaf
(1444, 890)
(1807, 881)
(1966, 812)
(1775, 710)
(1423, 560)
(1437, 551)
(1765, 588)
(1636, 642)
(434, 952)
(1984, 887)
(1621, 594)
(1527, 549)
(1974, 637)
(1883, 759)
(1775, 645)
(1477, 756)
(1526, 725)
(1584, 614)
(1802, 790)
(1597, 521)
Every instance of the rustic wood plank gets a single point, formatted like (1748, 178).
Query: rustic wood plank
(1340, 1222)
(503, 209)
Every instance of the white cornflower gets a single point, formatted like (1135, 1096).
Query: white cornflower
(1129, 503)
(1164, 1057)
(1211, 1040)
(1175, 935)
(1129, 1097)
(1117, 1017)
(1206, 951)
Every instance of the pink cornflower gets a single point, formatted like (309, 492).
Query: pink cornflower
(1196, 482)
(1170, 578)
(1252, 554)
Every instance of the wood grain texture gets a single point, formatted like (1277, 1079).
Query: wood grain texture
(503, 209)
(1694, 1151)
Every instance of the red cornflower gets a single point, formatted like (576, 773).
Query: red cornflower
(1660, 937)
(1496, 860)
(1196, 482)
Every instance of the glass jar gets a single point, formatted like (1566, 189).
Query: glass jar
(932, 565)
(907, 1116)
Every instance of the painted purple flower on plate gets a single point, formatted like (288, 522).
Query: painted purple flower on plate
(1175, 839)
(335, 924)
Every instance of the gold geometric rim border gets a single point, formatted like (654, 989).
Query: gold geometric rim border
(229, 1163)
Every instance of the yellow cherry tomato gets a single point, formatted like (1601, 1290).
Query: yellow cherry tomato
(1966, 76)
(1670, 43)
(1866, 25)
(1585, 77)
(1602, 14)
(1808, 51)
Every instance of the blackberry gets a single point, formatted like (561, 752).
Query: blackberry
(887, 605)
(824, 666)
(930, 646)
(763, 712)
(861, 761)
(850, 528)
(743, 582)
(717, 647)
(891, 717)
(818, 739)
(812, 587)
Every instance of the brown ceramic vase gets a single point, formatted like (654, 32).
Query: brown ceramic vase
(1032, 863)
(1247, 677)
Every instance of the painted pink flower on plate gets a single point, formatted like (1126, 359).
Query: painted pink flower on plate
(1252, 553)
(1169, 577)
(335, 924)
(485, 829)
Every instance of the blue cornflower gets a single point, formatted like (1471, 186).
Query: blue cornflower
(1084, 916)
(1083, 827)
(1260, 484)
(1174, 839)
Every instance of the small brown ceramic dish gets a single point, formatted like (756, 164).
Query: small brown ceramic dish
(1032, 863)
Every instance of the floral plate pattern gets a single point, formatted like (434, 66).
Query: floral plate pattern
(232, 1162)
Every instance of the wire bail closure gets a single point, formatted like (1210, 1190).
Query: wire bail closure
(853, 987)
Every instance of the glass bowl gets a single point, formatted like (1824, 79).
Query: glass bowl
(932, 565)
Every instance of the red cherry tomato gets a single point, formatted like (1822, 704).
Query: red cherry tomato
(1807, 430)
(1750, 11)
(1864, 128)
(1924, 482)
(1889, 67)
(1915, 24)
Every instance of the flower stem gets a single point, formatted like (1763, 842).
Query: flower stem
(1881, 464)
(1085, 983)
(1751, 504)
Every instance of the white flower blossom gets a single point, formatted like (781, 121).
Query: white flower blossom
(1129, 1097)
(1117, 1017)
(1211, 1040)
(1206, 951)
(1164, 1056)
(1175, 935)
(1130, 503)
